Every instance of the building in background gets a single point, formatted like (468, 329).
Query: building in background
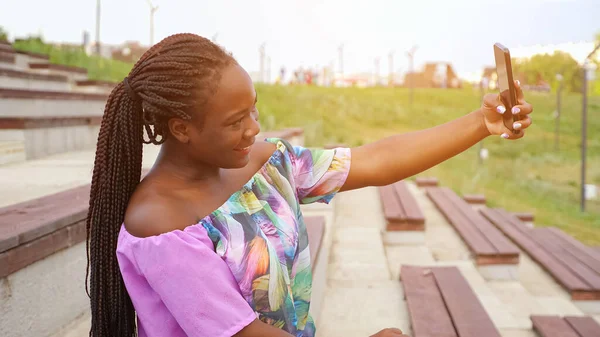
(434, 75)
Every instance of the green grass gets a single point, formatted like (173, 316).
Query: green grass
(98, 68)
(526, 175)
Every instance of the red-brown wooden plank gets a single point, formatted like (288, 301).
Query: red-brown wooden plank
(428, 314)
(578, 249)
(392, 210)
(468, 315)
(471, 236)
(474, 199)
(552, 326)
(525, 216)
(584, 325)
(551, 243)
(20, 257)
(427, 182)
(29, 220)
(408, 202)
(315, 227)
(500, 242)
(513, 228)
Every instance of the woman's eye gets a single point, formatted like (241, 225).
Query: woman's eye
(238, 122)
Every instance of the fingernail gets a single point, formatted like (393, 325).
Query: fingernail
(505, 135)
(517, 126)
(518, 83)
(501, 109)
(515, 110)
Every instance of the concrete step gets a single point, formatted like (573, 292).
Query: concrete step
(38, 103)
(12, 152)
(20, 79)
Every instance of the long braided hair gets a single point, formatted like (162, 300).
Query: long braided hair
(174, 78)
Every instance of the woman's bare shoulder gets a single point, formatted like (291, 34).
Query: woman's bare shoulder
(151, 213)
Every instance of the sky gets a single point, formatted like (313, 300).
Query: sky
(308, 33)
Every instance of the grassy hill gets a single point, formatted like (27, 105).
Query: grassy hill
(526, 175)
(99, 68)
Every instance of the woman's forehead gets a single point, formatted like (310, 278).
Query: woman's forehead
(235, 91)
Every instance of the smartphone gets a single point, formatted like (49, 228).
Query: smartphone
(506, 84)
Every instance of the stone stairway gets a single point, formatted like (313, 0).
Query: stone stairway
(365, 295)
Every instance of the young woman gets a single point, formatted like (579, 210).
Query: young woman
(212, 241)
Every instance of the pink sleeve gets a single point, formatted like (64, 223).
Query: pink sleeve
(195, 284)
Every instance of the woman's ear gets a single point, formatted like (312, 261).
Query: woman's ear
(180, 129)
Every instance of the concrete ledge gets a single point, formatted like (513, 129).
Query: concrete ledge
(41, 298)
(32, 76)
(21, 123)
(93, 86)
(391, 238)
(50, 95)
(508, 272)
(588, 307)
(59, 67)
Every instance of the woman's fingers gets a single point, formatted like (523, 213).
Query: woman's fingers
(511, 135)
(522, 123)
(523, 108)
(519, 91)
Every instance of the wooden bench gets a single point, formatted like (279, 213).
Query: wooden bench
(474, 199)
(315, 227)
(405, 222)
(570, 326)
(319, 257)
(33, 230)
(427, 182)
(488, 245)
(442, 304)
(568, 261)
(525, 216)
(402, 213)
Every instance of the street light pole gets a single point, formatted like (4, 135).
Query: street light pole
(584, 126)
(261, 51)
(391, 66)
(153, 10)
(559, 77)
(411, 56)
(98, 27)
(341, 51)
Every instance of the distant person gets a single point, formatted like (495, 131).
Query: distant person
(282, 74)
(212, 241)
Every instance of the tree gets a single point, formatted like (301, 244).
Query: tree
(3, 34)
(543, 68)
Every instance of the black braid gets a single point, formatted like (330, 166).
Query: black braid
(172, 79)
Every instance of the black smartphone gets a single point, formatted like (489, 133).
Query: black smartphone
(506, 84)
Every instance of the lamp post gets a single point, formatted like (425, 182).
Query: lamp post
(411, 56)
(559, 78)
(153, 10)
(584, 125)
(98, 27)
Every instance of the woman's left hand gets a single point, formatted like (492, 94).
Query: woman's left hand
(493, 111)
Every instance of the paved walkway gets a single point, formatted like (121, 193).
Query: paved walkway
(364, 294)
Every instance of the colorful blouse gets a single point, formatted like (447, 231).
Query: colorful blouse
(248, 259)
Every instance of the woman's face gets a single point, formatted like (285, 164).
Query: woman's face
(225, 134)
